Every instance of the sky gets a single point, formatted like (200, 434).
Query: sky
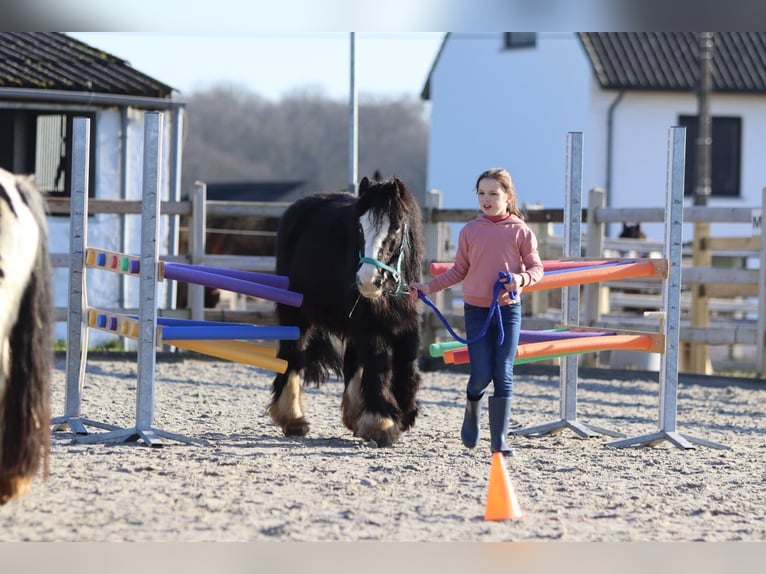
(388, 65)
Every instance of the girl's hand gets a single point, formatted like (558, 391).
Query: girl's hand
(511, 282)
(415, 287)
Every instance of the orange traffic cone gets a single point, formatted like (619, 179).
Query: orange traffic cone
(501, 499)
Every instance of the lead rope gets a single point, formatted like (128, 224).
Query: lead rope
(493, 310)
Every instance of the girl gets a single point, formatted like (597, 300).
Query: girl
(497, 240)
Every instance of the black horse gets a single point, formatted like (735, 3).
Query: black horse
(25, 335)
(351, 258)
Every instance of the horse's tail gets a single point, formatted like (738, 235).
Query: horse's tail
(321, 358)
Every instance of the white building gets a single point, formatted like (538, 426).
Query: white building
(509, 99)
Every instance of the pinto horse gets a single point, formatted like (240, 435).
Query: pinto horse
(351, 258)
(25, 335)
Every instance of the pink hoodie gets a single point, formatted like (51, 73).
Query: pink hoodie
(486, 247)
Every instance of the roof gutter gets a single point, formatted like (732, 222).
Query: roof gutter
(28, 95)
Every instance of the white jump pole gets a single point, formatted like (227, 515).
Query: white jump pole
(150, 212)
(570, 302)
(77, 331)
(671, 300)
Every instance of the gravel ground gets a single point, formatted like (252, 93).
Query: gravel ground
(246, 482)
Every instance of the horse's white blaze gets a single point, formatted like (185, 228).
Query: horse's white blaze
(373, 241)
(19, 237)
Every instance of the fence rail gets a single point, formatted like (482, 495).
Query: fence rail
(733, 297)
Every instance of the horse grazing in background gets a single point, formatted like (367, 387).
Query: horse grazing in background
(351, 258)
(26, 335)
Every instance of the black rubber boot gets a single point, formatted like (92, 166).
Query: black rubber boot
(499, 415)
(469, 434)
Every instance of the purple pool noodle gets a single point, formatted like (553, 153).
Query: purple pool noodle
(135, 266)
(204, 333)
(279, 281)
(588, 267)
(541, 336)
(231, 284)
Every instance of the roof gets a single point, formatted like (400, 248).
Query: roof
(55, 61)
(426, 93)
(669, 60)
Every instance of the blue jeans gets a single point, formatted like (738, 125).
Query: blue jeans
(490, 363)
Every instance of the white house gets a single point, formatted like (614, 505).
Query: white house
(509, 99)
(46, 80)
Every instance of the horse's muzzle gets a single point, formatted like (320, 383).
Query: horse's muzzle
(370, 286)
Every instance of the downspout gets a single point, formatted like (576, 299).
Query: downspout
(124, 170)
(609, 150)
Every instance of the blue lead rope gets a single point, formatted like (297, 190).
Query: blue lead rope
(493, 310)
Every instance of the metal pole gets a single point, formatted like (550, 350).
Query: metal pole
(147, 316)
(671, 300)
(570, 308)
(77, 342)
(353, 121)
(147, 312)
(704, 143)
(701, 255)
(77, 336)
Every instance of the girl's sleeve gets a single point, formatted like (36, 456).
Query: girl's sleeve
(533, 265)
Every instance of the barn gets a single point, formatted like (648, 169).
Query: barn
(46, 80)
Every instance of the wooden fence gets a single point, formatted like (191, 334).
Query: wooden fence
(722, 306)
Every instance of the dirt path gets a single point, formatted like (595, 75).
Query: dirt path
(251, 484)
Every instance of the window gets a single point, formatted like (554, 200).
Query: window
(724, 156)
(519, 40)
(40, 142)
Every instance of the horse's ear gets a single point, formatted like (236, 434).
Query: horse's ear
(400, 187)
(364, 185)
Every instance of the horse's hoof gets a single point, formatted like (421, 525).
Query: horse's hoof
(384, 431)
(299, 427)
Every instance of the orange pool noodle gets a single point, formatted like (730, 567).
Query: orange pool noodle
(564, 346)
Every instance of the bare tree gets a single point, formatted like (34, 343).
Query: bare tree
(235, 135)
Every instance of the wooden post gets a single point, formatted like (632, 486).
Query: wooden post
(436, 236)
(198, 247)
(594, 247)
(699, 362)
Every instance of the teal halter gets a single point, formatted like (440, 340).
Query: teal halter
(396, 274)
